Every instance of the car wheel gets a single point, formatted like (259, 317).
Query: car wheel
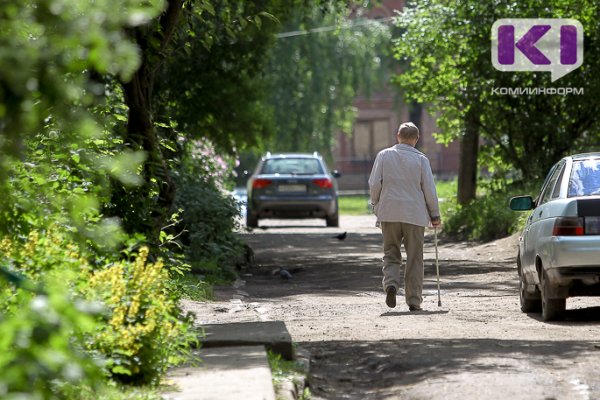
(251, 218)
(529, 302)
(333, 220)
(552, 309)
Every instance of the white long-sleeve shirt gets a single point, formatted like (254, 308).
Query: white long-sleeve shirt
(402, 187)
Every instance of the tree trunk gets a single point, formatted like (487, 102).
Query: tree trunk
(141, 133)
(469, 150)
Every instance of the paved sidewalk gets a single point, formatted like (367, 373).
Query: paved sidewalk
(240, 372)
(271, 334)
(232, 363)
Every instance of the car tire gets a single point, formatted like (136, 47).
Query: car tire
(333, 220)
(529, 303)
(251, 218)
(552, 309)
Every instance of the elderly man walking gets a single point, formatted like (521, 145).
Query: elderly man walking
(405, 201)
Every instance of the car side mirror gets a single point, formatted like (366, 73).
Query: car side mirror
(336, 173)
(522, 203)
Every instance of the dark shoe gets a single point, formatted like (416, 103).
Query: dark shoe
(415, 308)
(390, 298)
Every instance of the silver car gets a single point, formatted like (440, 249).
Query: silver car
(559, 249)
(292, 185)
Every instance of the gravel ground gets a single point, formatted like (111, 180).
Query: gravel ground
(477, 345)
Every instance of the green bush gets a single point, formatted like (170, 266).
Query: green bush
(210, 220)
(42, 345)
(140, 332)
(210, 215)
(488, 217)
(44, 325)
(145, 333)
(485, 218)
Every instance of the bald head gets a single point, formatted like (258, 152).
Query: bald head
(408, 133)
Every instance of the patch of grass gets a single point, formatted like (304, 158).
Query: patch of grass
(194, 288)
(446, 190)
(359, 205)
(285, 370)
(354, 205)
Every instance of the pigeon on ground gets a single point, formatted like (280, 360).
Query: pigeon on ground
(341, 236)
(285, 274)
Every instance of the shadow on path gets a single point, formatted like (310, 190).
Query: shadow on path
(323, 265)
(363, 370)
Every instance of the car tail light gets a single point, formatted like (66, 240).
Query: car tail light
(568, 226)
(324, 183)
(261, 183)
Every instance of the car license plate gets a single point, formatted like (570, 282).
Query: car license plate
(292, 188)
(592, 225)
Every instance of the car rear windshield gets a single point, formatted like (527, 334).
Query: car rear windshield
(585, 178)
(293, 166)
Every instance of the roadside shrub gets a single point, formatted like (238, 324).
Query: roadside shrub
(488, 217)
(42, 252)
(141, 331)
(41, 345)
(209, 213)
(485, 218)
(145, 333)
(43, 325)
(209, 217)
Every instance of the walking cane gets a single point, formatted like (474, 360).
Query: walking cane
(437, 265)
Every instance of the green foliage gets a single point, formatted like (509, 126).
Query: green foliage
(209, 214)
(446, 189)
(216, 80)
(191, 287)
(47, 51)
(485, 218)
(65, 182)
(445, 46)
(488, 217)
(43, 327)
(211, 85)
(314, 78)
(282, 370)
(75, 171)
(42, 345)
(144, 334)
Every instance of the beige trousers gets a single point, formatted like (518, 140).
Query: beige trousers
(394, 234)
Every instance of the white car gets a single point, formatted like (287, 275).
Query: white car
(559, 249)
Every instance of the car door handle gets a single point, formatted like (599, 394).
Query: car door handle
(540, 213)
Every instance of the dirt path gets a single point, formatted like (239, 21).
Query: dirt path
(477, 345)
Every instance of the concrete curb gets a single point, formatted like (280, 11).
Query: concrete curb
(271, 334)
